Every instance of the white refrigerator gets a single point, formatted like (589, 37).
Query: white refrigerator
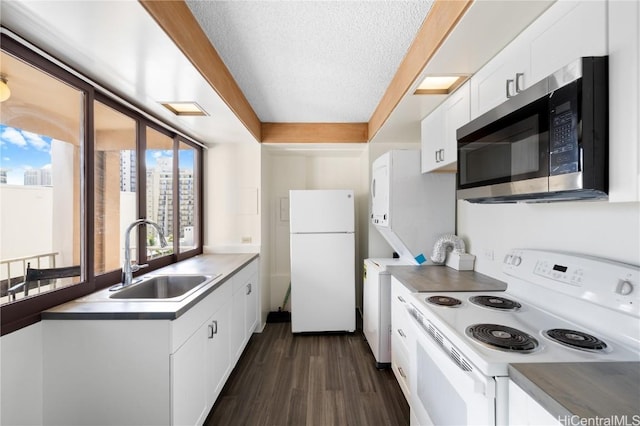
(322, 260)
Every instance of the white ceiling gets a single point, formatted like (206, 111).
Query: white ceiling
(312, 61)
(295, 61)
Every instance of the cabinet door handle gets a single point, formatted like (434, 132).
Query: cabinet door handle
(507, 88)
(442, 154)
(436, 154)
(401, 333)
(519, 77)
(248, 289)
(213, 329)
(401, 299)
(401, 371)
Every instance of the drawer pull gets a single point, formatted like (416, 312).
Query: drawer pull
(401, 371)
(401, 333)
(401, 299)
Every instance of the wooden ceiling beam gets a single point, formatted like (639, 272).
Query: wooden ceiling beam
(314, 132)
(176, 19)
(440, 21)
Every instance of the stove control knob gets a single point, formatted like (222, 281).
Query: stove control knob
(517, 260)
(624, 288)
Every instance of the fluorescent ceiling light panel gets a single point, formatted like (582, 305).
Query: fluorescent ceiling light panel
(439, 84)
(184, 108)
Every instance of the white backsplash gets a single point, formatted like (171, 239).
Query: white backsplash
(602, 229)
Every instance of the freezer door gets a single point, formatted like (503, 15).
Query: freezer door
(322, 282)
(317, 211)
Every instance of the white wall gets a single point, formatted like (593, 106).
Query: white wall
(603, 229)
(232, 198)
(26, 228)
(330, 167)
(21, 396)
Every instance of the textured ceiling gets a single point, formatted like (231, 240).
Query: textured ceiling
(312, 61)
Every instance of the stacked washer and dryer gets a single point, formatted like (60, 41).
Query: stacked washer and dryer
(411, 211)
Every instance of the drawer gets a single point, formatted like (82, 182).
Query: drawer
(400, 367)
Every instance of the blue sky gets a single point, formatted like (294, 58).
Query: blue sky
(21, 150)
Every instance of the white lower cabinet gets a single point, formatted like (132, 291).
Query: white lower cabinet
(148, 372)
(244, 312)
(524, 410)
(400, 335)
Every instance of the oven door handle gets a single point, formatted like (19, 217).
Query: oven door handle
(424, 338)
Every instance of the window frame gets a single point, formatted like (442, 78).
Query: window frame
(24, 312)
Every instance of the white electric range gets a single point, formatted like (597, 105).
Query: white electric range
(558, 307)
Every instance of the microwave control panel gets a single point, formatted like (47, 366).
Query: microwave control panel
(564, 152)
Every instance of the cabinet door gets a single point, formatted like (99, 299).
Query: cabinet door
(624, 101)
(524, 410)
(456, 114)
(218, 365)
(490, 85)
(432, 140)
(190, 403)
(237, 335)
(251, 306)
(566, 32)
(401, 338)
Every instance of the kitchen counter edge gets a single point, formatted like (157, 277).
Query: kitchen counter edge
(439, 278)
(226, 264)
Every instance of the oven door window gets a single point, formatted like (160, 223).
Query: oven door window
(512, 149)
(442, 393)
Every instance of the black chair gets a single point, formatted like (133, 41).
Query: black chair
(35, 278)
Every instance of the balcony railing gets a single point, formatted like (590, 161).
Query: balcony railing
(13, 271)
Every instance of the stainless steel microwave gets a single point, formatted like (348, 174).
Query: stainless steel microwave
(547, 143)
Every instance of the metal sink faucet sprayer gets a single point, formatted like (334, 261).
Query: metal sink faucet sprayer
(128, 269)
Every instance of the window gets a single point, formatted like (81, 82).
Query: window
(187, 197)
(115, 182)
(41, 142)
(160, 195)
(76, 168)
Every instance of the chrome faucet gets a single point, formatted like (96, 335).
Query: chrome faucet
(128, 269)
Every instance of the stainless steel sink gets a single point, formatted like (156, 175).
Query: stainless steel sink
(163, 287)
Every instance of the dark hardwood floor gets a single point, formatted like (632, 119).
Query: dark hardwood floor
(319, 379)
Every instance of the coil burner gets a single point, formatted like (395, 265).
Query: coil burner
(576, 339)
(451, 302)
(503, 338)
(496, 302)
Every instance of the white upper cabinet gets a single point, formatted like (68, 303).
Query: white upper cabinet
(624, 101)
(503, 77)
(567, 31)
(431, 136)
(438, 131)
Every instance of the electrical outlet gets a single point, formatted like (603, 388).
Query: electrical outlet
(488, 254)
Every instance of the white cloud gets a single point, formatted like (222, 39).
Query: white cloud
(36, 141)
(6, 159)
(14, 137)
